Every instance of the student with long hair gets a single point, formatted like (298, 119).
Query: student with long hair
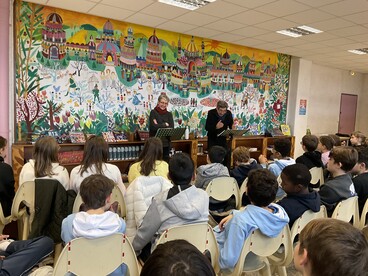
(96, 152)
(45, 163)
(150, 161)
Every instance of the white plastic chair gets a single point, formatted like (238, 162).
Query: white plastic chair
(4, 220)
(222, 188)
(317, 176)
(346, 210)
(363, 216)
(116, 195)
(267, 249)
(243, 189)
(200, 235)
(24, 198)
(99, 256)
(304, 219)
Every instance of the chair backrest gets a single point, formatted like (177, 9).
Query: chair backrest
(199, 234)
(24, 197)
(264, 246)
(99, 256)
(222, 188)
(317, 176)
(346, 210)
(243, 188)
(303, 220)
(117, 195)
(3, 220)
(363, 215)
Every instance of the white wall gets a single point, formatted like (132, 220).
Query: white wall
(323, 94)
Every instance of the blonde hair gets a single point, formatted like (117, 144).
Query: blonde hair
(241, 154)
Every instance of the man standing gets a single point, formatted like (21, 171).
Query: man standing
(218, 120)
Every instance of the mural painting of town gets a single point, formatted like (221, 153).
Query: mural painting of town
(77, 73)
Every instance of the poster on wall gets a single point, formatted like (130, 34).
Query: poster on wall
(303, 107)
(83, 73)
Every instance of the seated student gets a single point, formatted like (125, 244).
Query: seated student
(177, 257)
(213, 168)
(19, 257)
(331, 247)
(6, 180)
(340, 187)
(262, 214)
(95, 155)
(96, 221)
(326, 143)
(243, 164)
(45, 163)
(311, 158)
(357, 138)
(281, 151)
(295, 180)
(337, 140)
(181, 204)
(150, 161)
(360, 180)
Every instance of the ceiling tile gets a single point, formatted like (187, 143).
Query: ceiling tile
(336, 41)
(251, 17)
(346, 7)
(221, 9)
(163, 10)
(318, 37)
(203, 32)
(270, 37)
(332, 24)
(349, 31)
(226, 37)
(145, 20)
(78, 6)
(360, 38)
(133, 5)
(250, 4)
(309, 16)
(178, 27)
(358, 18)
(277, 24)
(282, 8)
(249, 31)
(317, 3)
(115, 13)
(224, 25)
(250, 42)
(196, 18)
(308, 46)
(291, 42)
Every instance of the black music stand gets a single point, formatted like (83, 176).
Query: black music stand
(233, 132)
(170, 133)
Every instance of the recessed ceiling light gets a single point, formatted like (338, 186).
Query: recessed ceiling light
(362, 51)
(299, 31)
(187, 4)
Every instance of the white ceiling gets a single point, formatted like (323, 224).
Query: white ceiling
(253, 23)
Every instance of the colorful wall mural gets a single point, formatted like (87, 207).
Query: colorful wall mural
(76, 72)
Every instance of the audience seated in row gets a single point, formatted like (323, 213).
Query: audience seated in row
(95, 156)
(311, 157)
(96, 220)
(357, 138)
(181, 204)
(175, 258)
(326, 143)
(45, 163)
(6, 180)
(150, 161)
(262, 214)
(331, 247)
(341, 161)
(295, 181)
(214, 167)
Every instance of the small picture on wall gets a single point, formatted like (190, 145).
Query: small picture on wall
(303, 107)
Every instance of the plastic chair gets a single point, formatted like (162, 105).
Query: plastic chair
(304, 219)
(222, 188)
(363, 216)
(200, 235)
(268, 250)
(243, 189)
(99, 256)
(4, 220)
(346, 210)
(116, 195)
(24, 198)
(318, 178)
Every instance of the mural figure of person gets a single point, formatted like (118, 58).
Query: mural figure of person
(218, 120)
(72, 84)
(96, 93)
(160, 117)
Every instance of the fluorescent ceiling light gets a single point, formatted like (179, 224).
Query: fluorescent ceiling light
(362, 51)
(187, 4)
(299, 31)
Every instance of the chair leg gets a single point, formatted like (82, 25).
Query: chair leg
(57, 251)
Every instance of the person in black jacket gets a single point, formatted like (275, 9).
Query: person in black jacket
(160, 117)
(6, 180)
(311, 157)
(295, 181)
(218, 120)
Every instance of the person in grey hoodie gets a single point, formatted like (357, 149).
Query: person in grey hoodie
(213, 169)
(97, 221)
(181, 204)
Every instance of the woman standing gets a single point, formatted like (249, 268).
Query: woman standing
(160, 117)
